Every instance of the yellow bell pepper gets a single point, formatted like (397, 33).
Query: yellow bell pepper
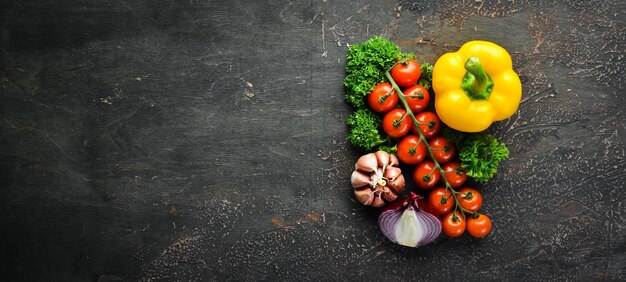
(475, 86)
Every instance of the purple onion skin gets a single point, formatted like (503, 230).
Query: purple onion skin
(388, 219)
(387, 223)
(434, 224)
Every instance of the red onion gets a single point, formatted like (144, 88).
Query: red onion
(408, 223)
(376, 176)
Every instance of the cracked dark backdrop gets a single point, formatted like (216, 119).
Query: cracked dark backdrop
(205, 140)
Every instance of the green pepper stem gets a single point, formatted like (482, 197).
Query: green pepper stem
(477, 83)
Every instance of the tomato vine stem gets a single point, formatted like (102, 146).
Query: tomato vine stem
(416, 123)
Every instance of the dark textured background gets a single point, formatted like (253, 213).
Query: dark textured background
(205, 140)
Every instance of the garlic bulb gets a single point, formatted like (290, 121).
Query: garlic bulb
(405, 222)
(377, 177)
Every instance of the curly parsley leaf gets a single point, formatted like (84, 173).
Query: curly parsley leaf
(480, 154)
(364, 132)
(426, 76)
(389, 149)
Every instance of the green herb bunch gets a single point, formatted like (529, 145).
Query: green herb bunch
(366, 64)
(479, 153)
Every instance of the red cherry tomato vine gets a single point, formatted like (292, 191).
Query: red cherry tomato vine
(465, 203)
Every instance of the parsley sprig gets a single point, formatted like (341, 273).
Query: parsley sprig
(480, 153)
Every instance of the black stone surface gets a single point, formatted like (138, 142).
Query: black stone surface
(205, 140)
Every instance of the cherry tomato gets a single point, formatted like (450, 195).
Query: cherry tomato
(406, 73)
(411, 150)
(430, 124)
(436, 197)
(396, 124)
(453, 224)
(425, 175)
(443, 150)
(470, 199)
(412, 95)
(382, 98)
(478, 227)
(454, 174)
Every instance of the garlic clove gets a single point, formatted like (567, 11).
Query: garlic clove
(367, 163)
(392, 172)
(393, 160)
(364, 196)
(359, 179)
(389, 195)
(379, 171)
(383, 158)
(378, 202)
(397, 185)
(377, 179)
